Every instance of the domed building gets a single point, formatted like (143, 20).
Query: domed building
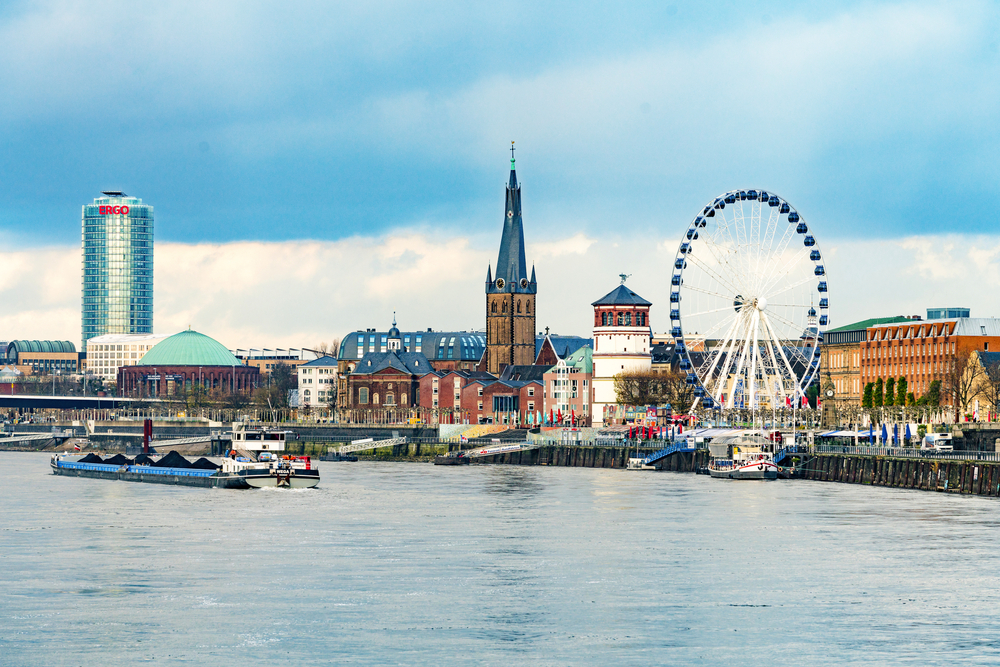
(185, 360)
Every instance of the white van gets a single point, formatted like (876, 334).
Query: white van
(938, 442)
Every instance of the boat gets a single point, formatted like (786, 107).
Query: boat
(742, 456)
(254, 461)
(454, 459)
(255, 458)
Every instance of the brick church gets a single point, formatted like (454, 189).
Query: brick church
(510, 294)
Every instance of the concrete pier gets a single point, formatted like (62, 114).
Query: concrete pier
(595, 457)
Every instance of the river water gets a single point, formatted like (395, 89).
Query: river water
(412, 564)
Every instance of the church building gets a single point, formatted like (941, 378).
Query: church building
(510, 294)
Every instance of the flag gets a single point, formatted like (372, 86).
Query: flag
(572, 418)
(551, 418)
(559, 416)
(76, 447)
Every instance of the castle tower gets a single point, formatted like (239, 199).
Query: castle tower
(622, 337)
(510, 294)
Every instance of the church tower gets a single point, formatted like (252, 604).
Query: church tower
(510, 293)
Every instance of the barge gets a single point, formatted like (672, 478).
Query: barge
(254, 461)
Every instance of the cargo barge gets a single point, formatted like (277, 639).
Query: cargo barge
(254, 461)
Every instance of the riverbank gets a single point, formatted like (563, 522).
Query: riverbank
(970, 477)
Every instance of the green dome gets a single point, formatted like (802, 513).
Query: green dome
(189, 348)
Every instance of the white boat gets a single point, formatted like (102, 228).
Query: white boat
(256, 459)
(742, 456)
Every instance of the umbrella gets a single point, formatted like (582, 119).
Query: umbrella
(572, 418)
(871, 436)
(906, 433)
(895, 434)
(559, 416)
(885, 435)
(551, 418)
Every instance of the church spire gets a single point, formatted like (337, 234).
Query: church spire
(511, 264)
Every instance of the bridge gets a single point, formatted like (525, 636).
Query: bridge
(369, 443)
(673, 448)
(492, 450)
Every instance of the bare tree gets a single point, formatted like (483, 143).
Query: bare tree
(331, 349)
(961, 381)
(989, 387)
(652, 388)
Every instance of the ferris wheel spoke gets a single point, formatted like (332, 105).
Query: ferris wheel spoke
(801, 282)
(716, 327)
(707, 312)
(766, 245)
(781, 350)
(779, 252)
(730, 250)
(713, 274)
(787, 269)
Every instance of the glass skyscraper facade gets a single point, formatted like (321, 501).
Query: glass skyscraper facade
(117, 266)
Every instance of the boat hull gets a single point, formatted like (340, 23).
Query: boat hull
(299, 479)
(755, 470)
(153, 477)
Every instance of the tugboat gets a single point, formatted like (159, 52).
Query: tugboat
(256, 460)
(744, 456)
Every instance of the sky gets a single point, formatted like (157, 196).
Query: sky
(315, 167)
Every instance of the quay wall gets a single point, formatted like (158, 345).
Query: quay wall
(595, 457)
(952, 476)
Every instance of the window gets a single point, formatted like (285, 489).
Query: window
(402, 399)
(504, 309)
(479, 406)
(519, 310)
(375, 399)
(604, 319)
(628, 319)
(363, 395)
(527, 306)
(531, 390)
(493, 307)
(390, 399)
(480, 390)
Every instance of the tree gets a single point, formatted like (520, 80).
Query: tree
(878, 397)
(282, 381)
(331, 349)
(910, 400)
(890, 392)
(868, 398)
(901, 391)
(989, 390)
(961, 381)
(652, 388)
(933, 396)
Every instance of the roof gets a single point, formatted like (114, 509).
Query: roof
(988, 359)
(19, 346)
(456, 345)
(582, 359)
(873, 322)
(321, 361)
(413, 363)
(511, 264)
(125, 338)
(189, 348)
(522, 374)
(563, 345)
(621, 296)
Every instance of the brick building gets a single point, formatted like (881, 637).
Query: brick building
(388, 382)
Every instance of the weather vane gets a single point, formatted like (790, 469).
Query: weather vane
(512, 150)
(624, 277)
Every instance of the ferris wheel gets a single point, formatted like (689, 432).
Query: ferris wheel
(748, 281)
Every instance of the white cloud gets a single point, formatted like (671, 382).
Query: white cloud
(306, 292)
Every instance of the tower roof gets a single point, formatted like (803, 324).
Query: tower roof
(189, 348)
(621, 296)
(512, 267)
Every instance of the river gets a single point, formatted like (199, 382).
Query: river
(415, 564)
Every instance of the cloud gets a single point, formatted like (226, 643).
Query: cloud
(293, 294)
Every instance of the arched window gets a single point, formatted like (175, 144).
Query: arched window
(527, 306)
(518, 306)
(363, 395)
(493, 307)
(375, 399)
(390, 399)
(628, 319)
(505, 307)
(402, 399)
(621, 319)
(640, 319)
(604, 319)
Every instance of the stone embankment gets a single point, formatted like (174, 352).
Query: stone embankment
(595, 457)
(955, 476)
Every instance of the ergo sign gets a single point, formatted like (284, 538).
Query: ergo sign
(113, 210)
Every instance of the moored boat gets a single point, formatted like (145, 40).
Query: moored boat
(255, 459)
(744, 456)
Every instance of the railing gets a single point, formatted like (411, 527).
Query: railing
(370, 444)
(145, 470)
(667, 451)
(907, 452)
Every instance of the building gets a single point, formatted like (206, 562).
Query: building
(183, 361)
(947, 313)
(923, 351)
(106, 354)
(317, 382)
(567, 392)
(43, 356)
(510, 294)
(265, 359)
(386, 381)
(444, 350)
(622, 338)
(117, 266)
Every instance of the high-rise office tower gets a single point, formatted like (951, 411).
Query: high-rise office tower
(117, 266)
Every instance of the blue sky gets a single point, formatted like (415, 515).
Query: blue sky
(278, 121)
